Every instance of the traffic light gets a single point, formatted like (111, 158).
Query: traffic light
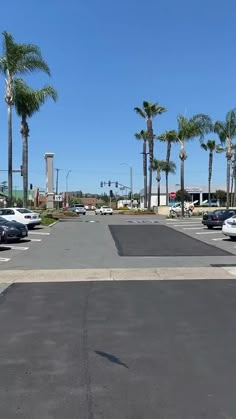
(31, 186)
(109, 183)
(101, 184)
(116, 184)
(111, 193)
(21, 170)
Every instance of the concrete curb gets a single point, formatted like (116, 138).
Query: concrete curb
(153, 274)
(51, 225)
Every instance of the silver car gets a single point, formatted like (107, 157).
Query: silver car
(78, 208)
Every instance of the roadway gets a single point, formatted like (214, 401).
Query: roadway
(142, 349)
(120, 242)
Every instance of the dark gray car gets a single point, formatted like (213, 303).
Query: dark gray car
(12, 230)
(217, 217)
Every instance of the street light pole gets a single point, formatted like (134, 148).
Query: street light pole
(67, 198)
(131, 187)
(131, 183)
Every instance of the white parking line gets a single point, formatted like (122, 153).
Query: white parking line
(17, 247)
(210, 232)
(184, 224)
(41, 233)
(193, 228)
(174, 219)
(218, 239)
(35, 240)
(4, 259)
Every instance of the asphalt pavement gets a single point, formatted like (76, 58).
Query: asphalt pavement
(87, 243)
(122, 350)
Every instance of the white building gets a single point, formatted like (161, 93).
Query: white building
(197, 192)
(121, 203)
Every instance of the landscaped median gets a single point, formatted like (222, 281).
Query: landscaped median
(51, 216)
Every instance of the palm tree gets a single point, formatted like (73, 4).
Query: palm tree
(188, 129)
(27, 102)
(143, 135)
(226, 131)
(148, 112)
(169, 137)
(212, 148)
(17, 59)
(162, 166)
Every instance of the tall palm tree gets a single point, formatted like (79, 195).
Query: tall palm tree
(27, 102)
(226, 131)
(162, 166)
(169, 137)
(212, 148)
(148, 112)
(197, 126)
(17, 59)
(143, 135)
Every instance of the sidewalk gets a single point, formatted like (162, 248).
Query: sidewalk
(154, 274)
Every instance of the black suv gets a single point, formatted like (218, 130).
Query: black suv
(217, 217)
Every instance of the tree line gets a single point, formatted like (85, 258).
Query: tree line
(17, 60)
(198, 126)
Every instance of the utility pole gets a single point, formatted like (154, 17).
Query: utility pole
(67, 197)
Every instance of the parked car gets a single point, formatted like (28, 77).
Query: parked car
(12, 230)
(211, 203)
(21, 215)
(104, 210)
(78, 209)
(217, 217)
(229, 227)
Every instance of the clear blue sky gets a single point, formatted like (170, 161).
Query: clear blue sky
(106, 57)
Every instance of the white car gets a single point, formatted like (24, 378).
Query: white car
(229, 227)
(21, 215)
(104, 210)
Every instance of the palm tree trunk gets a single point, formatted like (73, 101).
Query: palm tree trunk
(150, 173)
(9, 115)
(168, 151)
(151, 152)
(158, 188)
(25, 134)
(228, 182)
(145, 172)
(182, 184)
(234, 179)
(210, 175)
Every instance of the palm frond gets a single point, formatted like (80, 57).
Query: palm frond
(28, 101)
(204, 147)
(143, 135)
(163, 166)
(140, 112)
(21, 58)
(170, 136)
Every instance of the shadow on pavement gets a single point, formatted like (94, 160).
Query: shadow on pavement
(111, 358)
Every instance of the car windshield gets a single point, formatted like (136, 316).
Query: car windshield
(79, 206)
(24, 211)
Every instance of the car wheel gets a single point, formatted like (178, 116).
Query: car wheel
(233, 238)
(210, 227)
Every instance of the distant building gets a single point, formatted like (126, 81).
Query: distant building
(197, 192)
(121, 203)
